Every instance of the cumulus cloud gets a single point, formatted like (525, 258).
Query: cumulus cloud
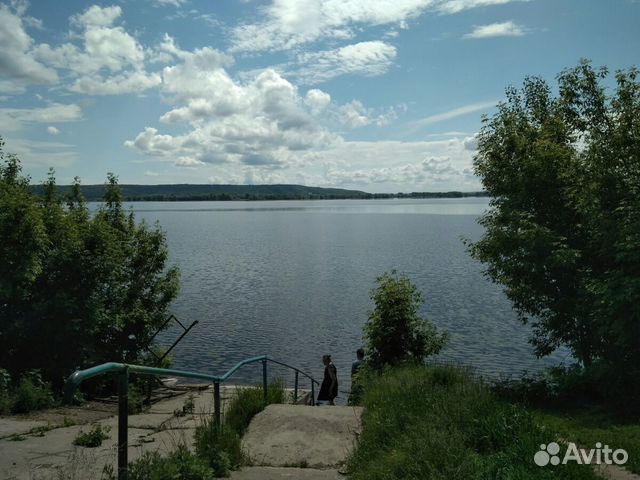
(286, 24)
(53, 130)
(109, 60)
(262, 121)
(364, 58)
(317, 100)
(18, 63)
(504, 29)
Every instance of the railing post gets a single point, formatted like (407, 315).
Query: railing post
(313, 393)
(216, 402)
(295, 389)
(123, 423)
(264, 379)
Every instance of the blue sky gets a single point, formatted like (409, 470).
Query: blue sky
(380, 95)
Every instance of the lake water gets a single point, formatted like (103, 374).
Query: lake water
(291, 279)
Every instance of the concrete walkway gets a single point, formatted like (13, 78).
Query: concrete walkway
(40, 447)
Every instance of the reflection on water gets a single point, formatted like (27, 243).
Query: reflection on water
(292, 279)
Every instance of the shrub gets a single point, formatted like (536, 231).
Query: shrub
(394, 331)
(31, 393)
(93, 438)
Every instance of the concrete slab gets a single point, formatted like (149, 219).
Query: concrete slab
(316, 437)
(275, 473)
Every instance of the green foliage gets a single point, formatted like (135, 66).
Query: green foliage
(93, 438)
(76, 288)
(29, 393)
(563, 231)
(135, 399)
(219, 446)
(179, 464)
(247, 402)
(588, 427)
(439, 423)
(394, 331)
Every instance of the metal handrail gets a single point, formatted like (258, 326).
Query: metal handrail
(123, 369)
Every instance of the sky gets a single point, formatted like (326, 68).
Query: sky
(374, 95)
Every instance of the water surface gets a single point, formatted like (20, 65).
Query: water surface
(291, 279)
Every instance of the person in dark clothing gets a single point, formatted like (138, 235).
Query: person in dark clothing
(329, 387)
(355, 366)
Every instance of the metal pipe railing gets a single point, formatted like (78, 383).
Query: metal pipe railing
(123, 370)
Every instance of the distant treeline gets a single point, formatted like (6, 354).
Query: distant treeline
(189, 192)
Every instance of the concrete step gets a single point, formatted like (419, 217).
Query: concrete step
(302, 436)
(276, 473)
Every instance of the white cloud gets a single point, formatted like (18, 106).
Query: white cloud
(504, 29)
(42, 154)
(391, 166)
(13, 119)
(354, 114)
(53, 130)
(130, 82)
(174, 3)
(96, 16)
(17, 61)
(364, 58)
(317, 100)
(150, 173)
(109, 60)
(188, 162)
(260, 122)
(286, 24)
(454, 113)
(456, 6)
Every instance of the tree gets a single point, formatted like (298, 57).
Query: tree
(562, 234)
(75, 289)
(394, 331)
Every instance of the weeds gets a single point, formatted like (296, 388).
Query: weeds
(93, 438)
(250, 401)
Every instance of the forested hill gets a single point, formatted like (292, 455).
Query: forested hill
(188, 192)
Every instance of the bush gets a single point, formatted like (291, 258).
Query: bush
(394, 331)
(31, 393)
(179, 464)
(250, 401)
(93, 438)
(439, 423)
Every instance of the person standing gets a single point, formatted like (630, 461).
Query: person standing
(355, 366)
(329, 387)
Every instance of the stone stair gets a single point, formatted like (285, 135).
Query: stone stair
(300, 442)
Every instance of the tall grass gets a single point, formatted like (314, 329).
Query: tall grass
(250, 401)
(439, 423)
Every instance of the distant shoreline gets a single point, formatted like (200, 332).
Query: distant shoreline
(195, 193)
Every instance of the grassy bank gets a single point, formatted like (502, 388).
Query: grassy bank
(439, 423)
(588, 427)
